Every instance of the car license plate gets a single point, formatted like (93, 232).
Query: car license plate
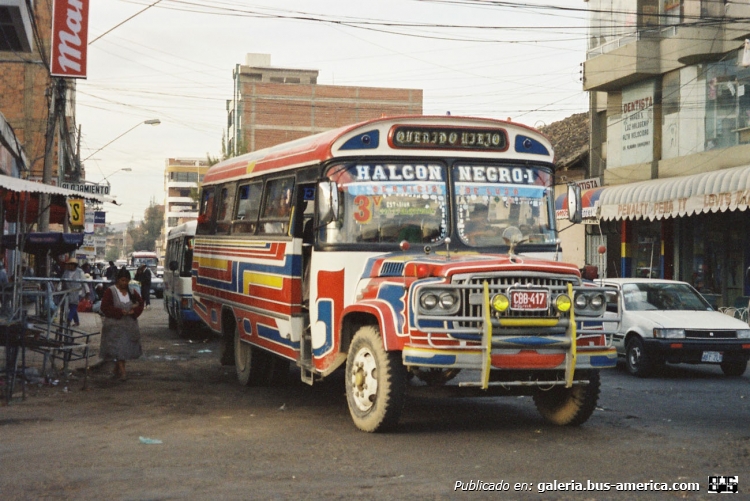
(712, 356)
(528, 300)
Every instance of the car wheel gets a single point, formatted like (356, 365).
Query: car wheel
(734, 368)
(159, 295)
(172, 323)
(375, 382)
(569, 406)
(636, 358)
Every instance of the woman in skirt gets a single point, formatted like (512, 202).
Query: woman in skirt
(121, 336)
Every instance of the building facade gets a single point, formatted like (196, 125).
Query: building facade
(273, 105)
(182, 177)
(669, 87)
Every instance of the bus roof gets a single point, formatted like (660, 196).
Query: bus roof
(184, 229)
(376, 137)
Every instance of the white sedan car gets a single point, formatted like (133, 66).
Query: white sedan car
(669, 321)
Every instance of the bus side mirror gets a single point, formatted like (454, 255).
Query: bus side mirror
(173, 265)
(575, 211)
(328, 202)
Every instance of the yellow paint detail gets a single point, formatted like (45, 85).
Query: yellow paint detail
(487, 362)
(528, 322)
(250, 167)
(210, 262)
(262, 279)
(570, 359)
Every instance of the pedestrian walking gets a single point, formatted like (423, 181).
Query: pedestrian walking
(72, 283)
(121, 335)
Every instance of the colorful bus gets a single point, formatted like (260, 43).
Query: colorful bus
(400, 248)
(178, 278)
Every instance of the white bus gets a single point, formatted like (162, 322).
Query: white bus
(178, 288)
(149, 258)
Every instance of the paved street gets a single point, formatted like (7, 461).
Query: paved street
(222, 441)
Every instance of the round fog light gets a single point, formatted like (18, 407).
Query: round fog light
(562, 303)
(500, 302)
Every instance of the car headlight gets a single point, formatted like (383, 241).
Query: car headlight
(437, 302)
(669, 333)
(743, 334)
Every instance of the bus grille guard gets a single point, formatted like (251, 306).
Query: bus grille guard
(475, 323)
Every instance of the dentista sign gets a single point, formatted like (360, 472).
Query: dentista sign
(70, 25)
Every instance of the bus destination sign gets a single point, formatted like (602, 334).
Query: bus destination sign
(450, 138)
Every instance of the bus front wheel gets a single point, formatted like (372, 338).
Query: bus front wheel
(375, 382)
(569, 406)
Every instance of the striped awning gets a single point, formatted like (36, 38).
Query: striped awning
(721, 190)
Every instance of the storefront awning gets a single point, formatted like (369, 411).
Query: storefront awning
(589, 204)
(721, 190)
(40, 243)
(22, 185)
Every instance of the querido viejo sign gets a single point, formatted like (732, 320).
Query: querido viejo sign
(70, 23)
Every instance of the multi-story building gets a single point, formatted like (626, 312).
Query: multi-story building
(182, 177)
(669, 86)
(272, 105)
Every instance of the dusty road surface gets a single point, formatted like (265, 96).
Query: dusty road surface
(223, 441)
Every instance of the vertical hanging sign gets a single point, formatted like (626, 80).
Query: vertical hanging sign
(76, 212)
(70, 25)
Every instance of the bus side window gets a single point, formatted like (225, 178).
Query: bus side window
(226, 204)
(207, 214)
(248, 208)
(277, 206)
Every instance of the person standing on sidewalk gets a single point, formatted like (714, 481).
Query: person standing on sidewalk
(143, 276)
(72, 282)
(121, 335)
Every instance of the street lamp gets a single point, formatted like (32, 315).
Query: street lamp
(153, 121)
(124, 169)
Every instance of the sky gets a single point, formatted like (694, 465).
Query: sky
(174, 62)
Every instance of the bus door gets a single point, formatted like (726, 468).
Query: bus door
(303, 229)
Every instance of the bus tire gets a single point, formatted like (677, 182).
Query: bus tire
(569, 406)
(172, 323)
(185, 330)
(375, 382)
(249, 362)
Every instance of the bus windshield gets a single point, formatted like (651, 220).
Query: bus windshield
(389, 203)
(490, 199)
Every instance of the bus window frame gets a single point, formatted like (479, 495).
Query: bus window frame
(267, 225)
(227, 204)
(206, 214)
(239, 225)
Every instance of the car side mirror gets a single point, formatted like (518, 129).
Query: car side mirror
(328, 202)
(575, 211)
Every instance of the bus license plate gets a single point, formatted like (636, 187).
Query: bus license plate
(712, 356)
(528, 300)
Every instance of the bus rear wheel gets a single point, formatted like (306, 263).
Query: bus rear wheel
(375, 382)
(569, 406)
(249, 362)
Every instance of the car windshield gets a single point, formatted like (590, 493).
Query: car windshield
(662, 296)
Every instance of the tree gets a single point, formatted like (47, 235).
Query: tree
(144, 236)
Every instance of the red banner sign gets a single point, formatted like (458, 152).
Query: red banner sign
(70, 26)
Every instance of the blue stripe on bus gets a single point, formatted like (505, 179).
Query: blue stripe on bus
(525, 144)
(431, 360)
(274, 335)
(325, 315)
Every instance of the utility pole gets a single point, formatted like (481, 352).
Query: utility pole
(49, 137)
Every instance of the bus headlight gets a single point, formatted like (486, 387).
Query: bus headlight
(581, 301)
(439, 302)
